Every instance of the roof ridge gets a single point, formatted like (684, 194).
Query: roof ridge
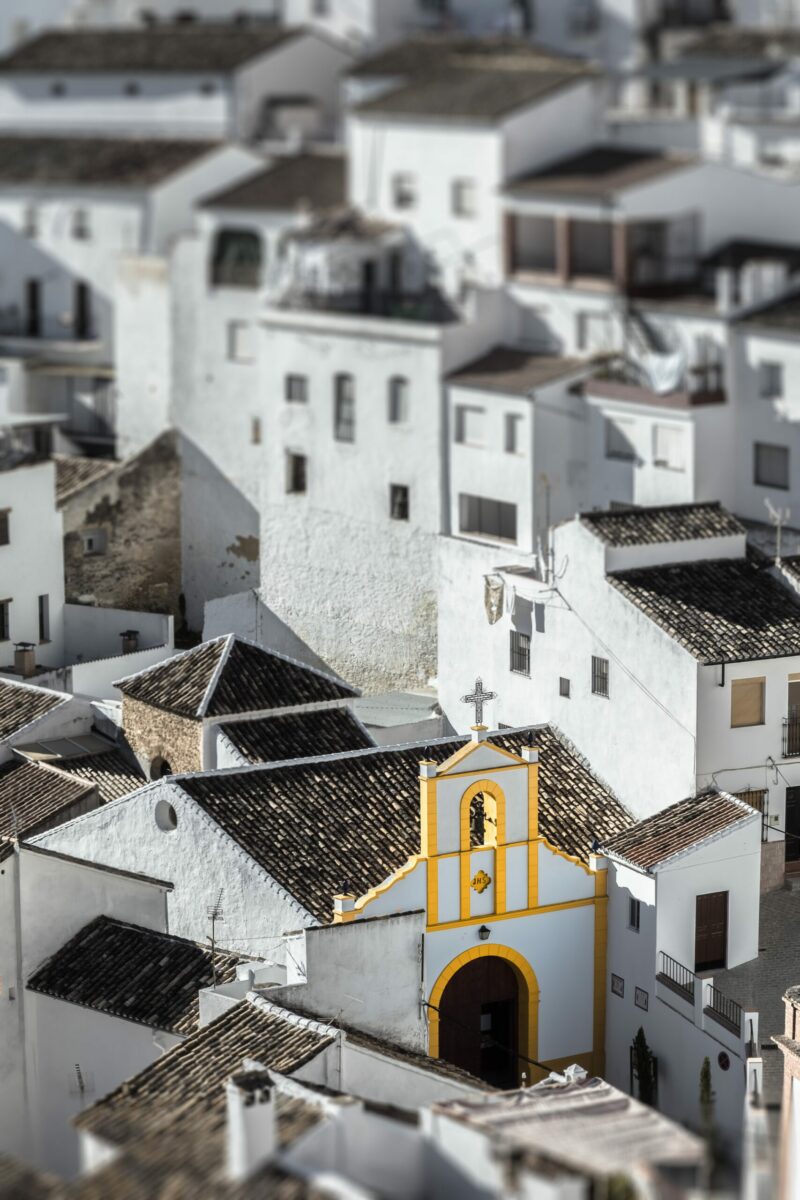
(316, 1025)
(214, 679)
(331, 676)
(179, 654)
(164, 934)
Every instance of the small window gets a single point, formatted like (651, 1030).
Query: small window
(166, 817)
(771, 466)
(398, 400)
(747, 702)
(599, 676)
(240, 342)
(482, 820)
(619, 440)
(491, 518)
(520, 653)
(470, 422)
(770, 380)
(255, 431)
(58, 88)
(296, 474)
(44, 618)
(668, 447)
(95, 541)
(344, 409)
(5, 527)
(80, 225)
(513, 433)
(634, 913)
(296, 389)
(5, 620)
(404, 190)
(563, 687)
(398, 502)
(132, 88)
(464, 198)
(30, 221)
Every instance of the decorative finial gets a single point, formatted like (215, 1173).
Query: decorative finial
(478, 698)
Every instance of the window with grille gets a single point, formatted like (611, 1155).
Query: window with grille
(398, 400)
(771, 466)
(520, 653)
(296, 389)
(755, 797)
(296, 473)
(489, 518)
(398, 502)
(599, 676)
(344, 409)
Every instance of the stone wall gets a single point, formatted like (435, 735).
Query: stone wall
(137, 508)
(773, 866)
(153, 734)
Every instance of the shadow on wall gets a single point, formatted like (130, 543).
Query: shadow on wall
(247, 615)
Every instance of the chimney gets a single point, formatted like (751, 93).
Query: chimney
(25, 659)
(130, 641)
(251, 1123)
(344, 907)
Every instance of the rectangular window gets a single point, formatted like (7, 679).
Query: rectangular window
(617, 985)
(296, 389)
(30, 222)
(398, 400)
(470, 422)
(5, 527)
(5, 620)
(520, 649)
(95, 541)
(296, 474)
(80, 225)
(513, 433)
(464, 198)
(634, 913)
(711, 932)
(404, 190)
(619, 443)
(492, 518)
(641, 998)
(398, 502)
(770, 380)
(771, 466)
(44, 618)
(344, 409)
(255, 431)
(599, 676)
(747, 702)
(668, 447)
(755, 797)
(240, 342)
(563, 687)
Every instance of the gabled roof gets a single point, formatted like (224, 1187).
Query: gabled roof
(93, 162)
(663, 523)
(483, 95)
(311, 181)
(298, 735)
(73, 473)
(201, 46)
(429, 53)
(722, 610)
(597, 174)
(34, 797)
(132, 973)
(678, 828)
(230, 675)
(21, 704)
(513, 372)
(311, 825)
(111, 772)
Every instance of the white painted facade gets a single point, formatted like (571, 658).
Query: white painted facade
(32, 564)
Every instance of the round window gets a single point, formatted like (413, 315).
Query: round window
(166, 817)
(723, 1060)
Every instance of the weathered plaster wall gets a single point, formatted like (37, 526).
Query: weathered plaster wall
(153, 734)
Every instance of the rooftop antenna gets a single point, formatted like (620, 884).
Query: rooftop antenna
(779, 518)
(215, 914)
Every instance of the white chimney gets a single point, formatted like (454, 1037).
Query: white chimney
(251, 1123)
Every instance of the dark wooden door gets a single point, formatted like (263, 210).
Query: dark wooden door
(792, 825)
(33, 308)
(711, 931)
(478, 1021)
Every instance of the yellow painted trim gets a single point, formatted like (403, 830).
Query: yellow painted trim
(465, 900)
(427, 816)
(498, 795)
(518, 912)
(573, 858)
(500, 879)
(469, 748)
(399, 874)
(533, 801)
(600, 954)
(533, 874)
(432, 884)
(494, 770)
(529, 999)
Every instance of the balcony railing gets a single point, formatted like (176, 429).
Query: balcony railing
(676, 977)
(791, 737)
(428, 306)
(724, 1011)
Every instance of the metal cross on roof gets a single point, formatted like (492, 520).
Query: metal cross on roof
(478, 698)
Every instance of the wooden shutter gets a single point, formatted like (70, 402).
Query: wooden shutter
(747, 702)
(711, 931)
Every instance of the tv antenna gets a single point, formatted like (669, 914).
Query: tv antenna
(215, 916)
(779, 518)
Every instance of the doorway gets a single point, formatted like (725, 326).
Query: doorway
(83, 314)
(33, 308)
(711, 932)
(792, 827)
(479, 1021)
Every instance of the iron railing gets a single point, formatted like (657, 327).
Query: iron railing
(724, 1011)
(676, 977)
(791, 737)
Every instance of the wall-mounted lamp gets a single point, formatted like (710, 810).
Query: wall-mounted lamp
(483, 932)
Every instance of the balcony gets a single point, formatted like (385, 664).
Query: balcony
(676, 977)
(724, 1011)
(700, 388)
(428, 306)
(791, 737)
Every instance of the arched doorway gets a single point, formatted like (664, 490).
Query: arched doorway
(479, 1020)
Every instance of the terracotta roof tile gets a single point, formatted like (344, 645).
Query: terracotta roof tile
(34, 797)
(678, 828)
(21, 704)
(74, 473)
(18, 1181)
(599, 173)
(665, 523)
(115, 162)
(316, 181)
(110, 771)
(298, 735)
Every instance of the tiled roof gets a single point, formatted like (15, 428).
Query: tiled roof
(198, 1067)
(115, 162)
(513, 372)
(425, 54)
(781, 315)
(677, 828)
(356, 817)
(111, 773)
(18, 1181)
(313, 181)
(298, 735)
(74, 473)
(467, 94)
(202, 46)
(597, 174)
(735, 41)
(230, 675)
(724, 610)
(33, 798)
(21, 704)
(133, 973)
(665, 523)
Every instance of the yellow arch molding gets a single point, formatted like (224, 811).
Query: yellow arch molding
(528, 995)
(492, 789)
